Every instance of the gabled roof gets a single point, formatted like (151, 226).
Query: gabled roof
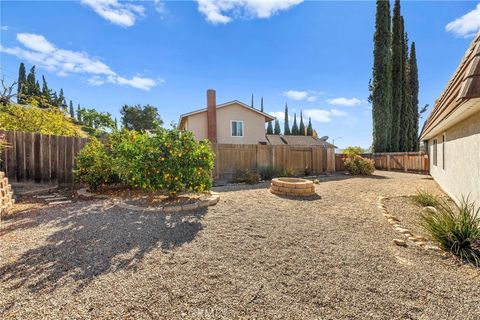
(226, 104)
(464, 85)
(291, 140)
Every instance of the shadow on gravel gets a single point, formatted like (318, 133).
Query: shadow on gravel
(92, 240)
(339, 176)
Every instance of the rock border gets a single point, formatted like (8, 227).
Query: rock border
(6, 195)
(405, 232)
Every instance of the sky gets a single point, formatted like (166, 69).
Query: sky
(316, 56)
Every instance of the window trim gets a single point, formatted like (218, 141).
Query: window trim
(231, 129)
(434, 152)
(444, 140)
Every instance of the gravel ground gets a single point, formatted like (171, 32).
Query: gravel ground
(253, 255)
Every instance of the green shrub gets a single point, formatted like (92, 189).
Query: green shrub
(458, 232)
(425, 199)
(358, 165)
(268, 173)
(316, 181)
(287, 173)
(353, 150)
(168, 160)
(33, 119)
(246, 176)
(94, 165)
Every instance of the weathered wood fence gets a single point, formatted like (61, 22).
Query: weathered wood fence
(40, 158)
(229, 158)
(393, 161)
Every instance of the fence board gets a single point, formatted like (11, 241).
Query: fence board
(45, 143)
(37, 151)
(29, 156)
(395, 161)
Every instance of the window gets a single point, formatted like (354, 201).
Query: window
(434, 151)
(237, 128)
(443, 151)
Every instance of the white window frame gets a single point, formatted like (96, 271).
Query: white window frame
(435, 152)
(444, 142)
(231, 129)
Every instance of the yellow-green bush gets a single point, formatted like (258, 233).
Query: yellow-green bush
(358, 165)
(32, 119)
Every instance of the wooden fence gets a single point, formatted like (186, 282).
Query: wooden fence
(393, 161)
(40, 158)
(229, 158)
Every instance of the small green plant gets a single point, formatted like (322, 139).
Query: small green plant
(286, 173)
(94, 165)
(456, 230)
(316, 181)
(246, 176)
(268, 173)
(425, 199)
(353, 150)
(358, 165)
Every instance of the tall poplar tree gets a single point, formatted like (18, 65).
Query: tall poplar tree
(414, 87)
(301, 128)
(309, 127)
(397, 77)
(295, 126)
(72, 111)
(277, 130)
(269, 128)
(251, 103)
(21, 83)
(286, 126)
(31, 82)
(261, 104)
(381, 85)
(79, 114)
(405, 115)
(45, 90)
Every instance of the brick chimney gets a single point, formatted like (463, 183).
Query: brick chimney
(212, 115)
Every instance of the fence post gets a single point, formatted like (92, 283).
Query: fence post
(405, 162)
(388, 162)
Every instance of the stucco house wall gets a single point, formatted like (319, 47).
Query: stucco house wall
(459, 172)
(197, 123)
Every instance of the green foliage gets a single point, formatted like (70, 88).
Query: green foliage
(268, 173)
(286, 173)
(381, 84)
(301, 128)
(246, 176)
(276, 130)
(425, 199)
(309, 127)
(21, 83)
(397, 77)
(138, 118)
(261, 104)
(269, 128)
(316, 181)
(353, 150)
(413, 88)
(456, 230)
(286, 126)
(94, 165)
(99, 121)
(295, 126)
(358, 165)
(32, 119)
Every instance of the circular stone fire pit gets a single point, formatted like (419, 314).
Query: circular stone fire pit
(292, 187)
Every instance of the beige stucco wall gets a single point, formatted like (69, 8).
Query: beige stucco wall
(461, 175)
(253, 125)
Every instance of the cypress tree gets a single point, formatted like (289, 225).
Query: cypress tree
(116, 124)
(309, 127)
(72, 111)
(30, 90)
(286, 126)
(37, 91)
(381, 86)
(21, 83)
(301, 128)
(413, 84)
(295, 126)
(61, 101)
(397, 77)
(277, 130)
(45, 90)
(79, 114)
(405, 115)
(261, 104)
(270, 128)
(251, 103)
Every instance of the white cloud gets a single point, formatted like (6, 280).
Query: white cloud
(310, 96)
(4, 28)
(338, 113)
(38, 50)
(348, 102)
(120, 13)
(467, 25)
(159, 6)
(224, 11)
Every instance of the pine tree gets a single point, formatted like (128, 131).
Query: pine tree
(286, 126)
(45, 91)
(79, 114)
(381, 86)
(277, 130)
(269, 128)
(405, 115)
(37, 91)
(301, 128)
(251, 103)
(62, 104)
(54, 99)
(295, 126)
(397, 77)
(413, 84)
(309, 127)
(30, 89)
(261, 104)
(72, 111)
(21, 83)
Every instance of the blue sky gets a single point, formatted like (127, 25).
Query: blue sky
(314, 55)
